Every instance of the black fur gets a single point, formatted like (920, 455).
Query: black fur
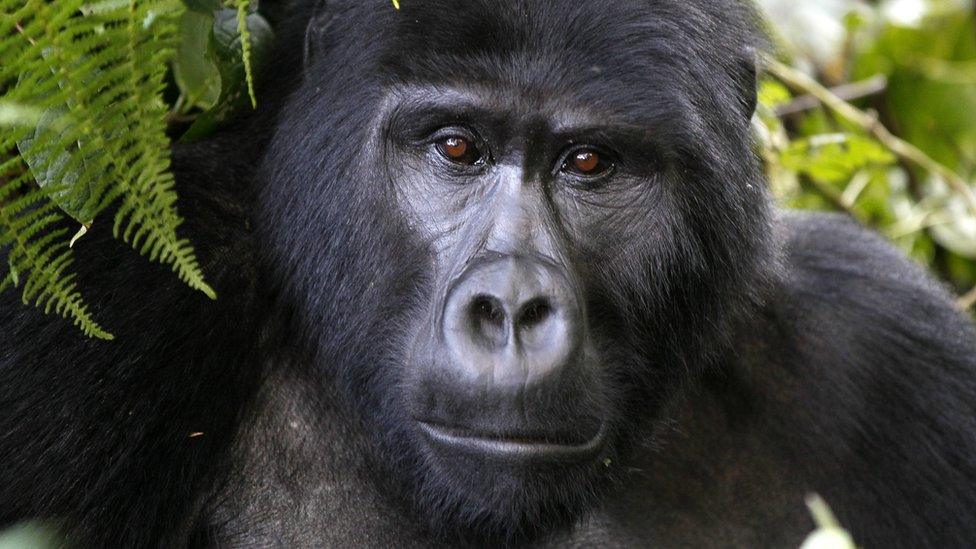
(748, 357)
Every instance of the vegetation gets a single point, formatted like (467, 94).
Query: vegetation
(874, 114)
(89, 94)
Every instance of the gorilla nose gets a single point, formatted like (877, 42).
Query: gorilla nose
(511, 322)
(493, 322)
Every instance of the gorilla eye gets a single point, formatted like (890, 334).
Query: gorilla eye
(587, 162)
(459, 150)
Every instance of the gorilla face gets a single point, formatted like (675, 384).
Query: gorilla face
(506, 362)
(533, 224)
(527, 209)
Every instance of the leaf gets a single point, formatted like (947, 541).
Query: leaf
(929, 56)
(194, 68)
(245, 39)
(12, 114)
(105, 6)
(958, 232)
(834, 157)
(772, 93)
(227, 44)
(225, 49)
(54, 171)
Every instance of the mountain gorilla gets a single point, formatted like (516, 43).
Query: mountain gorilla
(496, 273)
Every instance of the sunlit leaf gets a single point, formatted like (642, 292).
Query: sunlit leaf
(773, 93)
(834, 157)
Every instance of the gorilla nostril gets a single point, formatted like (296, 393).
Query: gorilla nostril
(487, 316)
(533, 313)
(488, 309)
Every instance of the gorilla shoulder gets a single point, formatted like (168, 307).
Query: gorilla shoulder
(864, 286)
(862, 363)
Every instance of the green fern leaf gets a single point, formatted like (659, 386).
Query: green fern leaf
(242, 10)
(81, 93)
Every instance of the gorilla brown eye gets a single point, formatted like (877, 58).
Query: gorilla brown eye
(586, 162)
(460, 150)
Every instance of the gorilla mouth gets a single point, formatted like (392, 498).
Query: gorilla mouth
(514, 446)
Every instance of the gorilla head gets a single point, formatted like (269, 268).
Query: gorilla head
(511, 233)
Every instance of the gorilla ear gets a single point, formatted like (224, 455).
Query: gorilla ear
(746, 79)
(315, 33)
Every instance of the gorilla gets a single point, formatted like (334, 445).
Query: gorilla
(496, 273)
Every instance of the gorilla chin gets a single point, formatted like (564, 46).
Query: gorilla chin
(508, 486)
(507, 461)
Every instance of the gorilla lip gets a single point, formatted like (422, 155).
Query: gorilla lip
(511, 446)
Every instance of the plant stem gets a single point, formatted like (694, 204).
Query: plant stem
(848, 92)
(967, 301)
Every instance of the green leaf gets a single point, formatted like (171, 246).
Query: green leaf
(957, 232)
(245, 38)
(228, 47)
(194, 68)
(57, 171)
(105, 6)
(12, 114)
(87, 132)
(929, 57)
(225, 46)
(834, 157)
(772, 93)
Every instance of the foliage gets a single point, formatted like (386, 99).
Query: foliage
(83, 95)
(36, 534)
(213, 66)
(901, 155)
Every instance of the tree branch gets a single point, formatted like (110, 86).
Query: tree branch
(848, 92)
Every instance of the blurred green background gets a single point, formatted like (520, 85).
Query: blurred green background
(911, 66)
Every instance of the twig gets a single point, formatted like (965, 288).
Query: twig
(848, 92)
(22, 31)
(830, 195)
(967, 301)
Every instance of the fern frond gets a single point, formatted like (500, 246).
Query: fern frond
(82, 86)
(242, 10)
(32, 245)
